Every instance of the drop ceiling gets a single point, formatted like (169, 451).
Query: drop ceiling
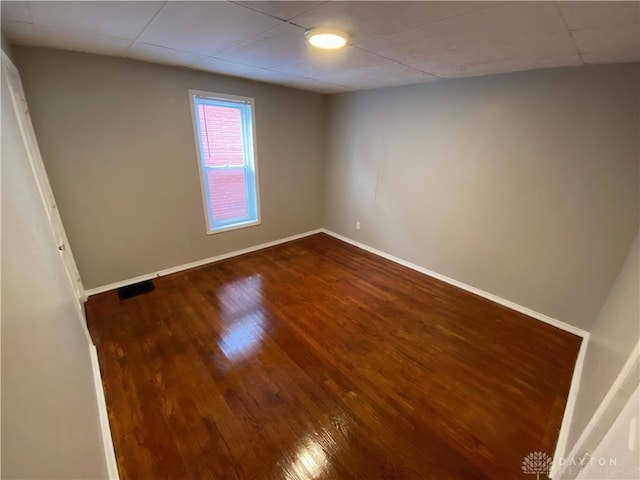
(393, 43)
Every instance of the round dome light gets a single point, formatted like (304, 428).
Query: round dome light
(327, 38)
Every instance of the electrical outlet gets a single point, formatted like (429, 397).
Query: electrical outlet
(357, 225)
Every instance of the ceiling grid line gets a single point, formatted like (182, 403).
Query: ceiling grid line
(244, 4)
(573, 40)
(396, 61)
(145, 27)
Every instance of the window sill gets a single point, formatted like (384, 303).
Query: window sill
(237, 226)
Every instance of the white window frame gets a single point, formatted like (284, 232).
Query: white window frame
(211, 229)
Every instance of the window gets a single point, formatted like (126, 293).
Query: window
(224, 132)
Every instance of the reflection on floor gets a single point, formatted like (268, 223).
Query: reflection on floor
(240, 310)
(316, 360)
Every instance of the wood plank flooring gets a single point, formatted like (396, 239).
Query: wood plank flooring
(317, 360)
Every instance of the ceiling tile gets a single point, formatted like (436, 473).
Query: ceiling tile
(281, 78)
(282, 10)
(278, 48)
(116, 19)
(379, 76)
(496, 25)
(322, 63)
(486, 58)
(296, 81)
(368, 20)
(163, 55)
(204, 28)
(78, 41)
(15, 12)
(604, 32)
(601, 45)
(587, 15)
(233, 68)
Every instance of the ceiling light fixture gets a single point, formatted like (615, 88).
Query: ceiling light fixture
(327, 38)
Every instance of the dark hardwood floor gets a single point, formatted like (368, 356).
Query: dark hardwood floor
(317, 360)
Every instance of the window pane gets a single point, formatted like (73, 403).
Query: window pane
(221, 135)
(227, 193)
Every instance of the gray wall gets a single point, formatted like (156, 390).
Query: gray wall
(523, 185)
(117, 140)
(613, 335)
(50, 423)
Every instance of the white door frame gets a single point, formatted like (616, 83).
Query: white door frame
(18, 99)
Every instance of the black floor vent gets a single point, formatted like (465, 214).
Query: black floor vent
(136, 289)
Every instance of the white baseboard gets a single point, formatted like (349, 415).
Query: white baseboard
(567, 418)
(107, 441)
(489, 296)
(197, 263)
(627, 379)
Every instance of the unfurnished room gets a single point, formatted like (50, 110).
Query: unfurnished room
(310, 240)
